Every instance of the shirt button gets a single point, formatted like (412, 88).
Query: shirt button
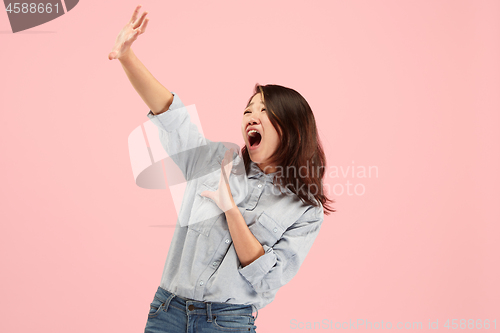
(275, 229)
(215, 263)
(201, 283)
(227, 241)
(259, 186)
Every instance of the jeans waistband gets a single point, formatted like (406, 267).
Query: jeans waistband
(200, 307)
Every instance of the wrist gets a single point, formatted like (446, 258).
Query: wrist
(233, 211)
(127, 56)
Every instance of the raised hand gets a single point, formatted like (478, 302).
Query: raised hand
(223, 197)
(129, 34)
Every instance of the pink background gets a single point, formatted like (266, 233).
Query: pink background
(411, 87)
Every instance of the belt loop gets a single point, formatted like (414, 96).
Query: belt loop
(256, 310)
(167, 302)
(209, 312)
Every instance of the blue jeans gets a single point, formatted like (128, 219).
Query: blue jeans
(174, 314)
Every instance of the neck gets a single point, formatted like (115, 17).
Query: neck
(267, 168)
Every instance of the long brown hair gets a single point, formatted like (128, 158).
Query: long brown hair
(300, 147)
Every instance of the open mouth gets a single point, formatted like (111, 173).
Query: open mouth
(254, 138)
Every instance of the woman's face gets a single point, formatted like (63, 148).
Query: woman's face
(261, 138)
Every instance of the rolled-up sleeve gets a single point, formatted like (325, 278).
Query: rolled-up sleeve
(280, 263)
(183, 142)
(171, 119)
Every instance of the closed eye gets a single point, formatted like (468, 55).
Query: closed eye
(247, 111)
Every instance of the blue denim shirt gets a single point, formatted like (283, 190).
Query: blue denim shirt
(202, 263)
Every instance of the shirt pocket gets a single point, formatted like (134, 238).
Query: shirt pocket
(204, 212)
(266, 230)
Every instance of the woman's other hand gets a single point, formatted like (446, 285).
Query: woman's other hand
(129, 34)
(223, 197)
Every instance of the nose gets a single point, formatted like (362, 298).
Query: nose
(253, 120)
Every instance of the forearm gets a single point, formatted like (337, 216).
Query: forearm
(246, 245)
(153, 93)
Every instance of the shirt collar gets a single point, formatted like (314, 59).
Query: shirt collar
(256, 172)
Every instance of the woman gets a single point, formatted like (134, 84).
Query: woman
(241, 235)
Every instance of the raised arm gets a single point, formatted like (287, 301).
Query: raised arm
(157, 97)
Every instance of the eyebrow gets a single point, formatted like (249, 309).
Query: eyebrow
(252, 103)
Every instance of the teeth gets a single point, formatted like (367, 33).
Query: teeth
(252, 132)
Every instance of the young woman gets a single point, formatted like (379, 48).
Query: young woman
(240, 235)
